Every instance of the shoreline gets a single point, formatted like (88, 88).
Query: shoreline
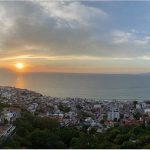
(88, 99)
(101, 114)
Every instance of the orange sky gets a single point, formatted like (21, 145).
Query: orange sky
(74, 69)
(75, 36)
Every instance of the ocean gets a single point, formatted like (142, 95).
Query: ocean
(95, 86)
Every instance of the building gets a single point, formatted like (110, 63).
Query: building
(147, 120)
(32, 107)
(113, 114)
(138, 106)
(147, 111)
(144, 105)
(97, 106)
(132, 122)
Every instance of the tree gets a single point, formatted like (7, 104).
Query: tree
(137, 115)
(23, 126)
(102, 121)
(111, 134)
(82, 115)
(134, 103)
(147, 146)
(137, 130)
(42, 139)
(115, 119)
(66, 135)
(121, 138)
(84, 141)
(79, 107)
(64, 108)
(5, 121)
(35, 132)
(9, 143)
(45, 123)
(104, 145)
(129, 145)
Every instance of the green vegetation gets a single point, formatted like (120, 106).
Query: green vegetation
(2, 105)
(137, 115)
(79, 107)
(64, 108)
(40, 133)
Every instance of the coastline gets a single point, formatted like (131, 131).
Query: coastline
(88, 99)
(100, 114)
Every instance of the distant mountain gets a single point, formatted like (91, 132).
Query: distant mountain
(4, 72)
(146, 74)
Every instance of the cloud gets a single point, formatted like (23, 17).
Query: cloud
(132, 37)
(121, 37)
(66, 58)
(145, 57)
(65, 30)
(53, 27)
(71, 14)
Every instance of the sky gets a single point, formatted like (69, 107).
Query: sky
(75, 36)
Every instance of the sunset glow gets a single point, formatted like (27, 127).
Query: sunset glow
(80, 37)
(19, 65)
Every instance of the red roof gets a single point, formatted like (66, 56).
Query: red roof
(130, 122)
(109, 123)
(147, 118)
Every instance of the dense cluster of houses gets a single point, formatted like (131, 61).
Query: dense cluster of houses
(98, 114)
(7, 116)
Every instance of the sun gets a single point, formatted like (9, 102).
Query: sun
(19, 66)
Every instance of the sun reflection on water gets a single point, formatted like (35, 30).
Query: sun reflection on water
(20, 82)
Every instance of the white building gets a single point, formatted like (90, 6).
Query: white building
(138, 106)
(8, 116)
(147, 111)
(32, 108)
(144, 105)
(97, 106)
(88, 119)
(112, 114)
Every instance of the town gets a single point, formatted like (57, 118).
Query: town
(98, 114)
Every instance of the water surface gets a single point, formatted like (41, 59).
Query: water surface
(99, 86)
